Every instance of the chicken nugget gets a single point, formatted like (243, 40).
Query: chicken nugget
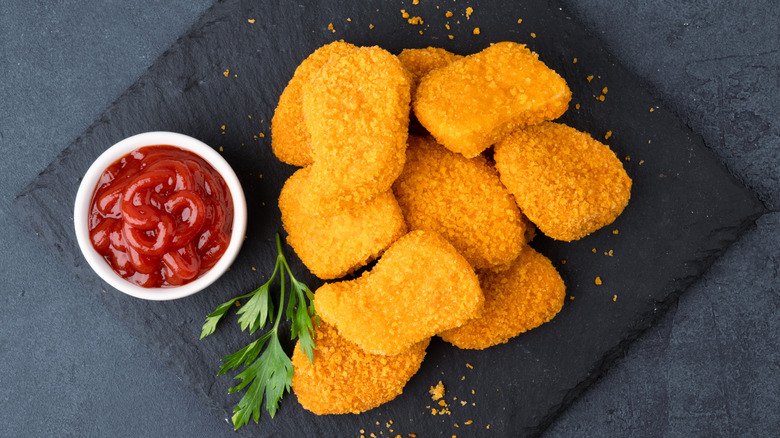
(420, 62)
(420, 287)
(343, 378)
(474, 102)
(463, 200)
(567, 183)
(334, 245)
(528, 294)
(357, 111)
(291, 142)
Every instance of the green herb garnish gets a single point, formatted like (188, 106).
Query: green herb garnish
(271, 374)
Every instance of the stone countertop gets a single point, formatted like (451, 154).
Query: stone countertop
(709, 367)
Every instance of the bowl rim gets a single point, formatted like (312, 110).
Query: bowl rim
(120, 149)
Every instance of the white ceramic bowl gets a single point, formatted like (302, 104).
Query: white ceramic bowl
(124, 147)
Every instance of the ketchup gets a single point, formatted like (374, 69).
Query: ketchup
(161, 216)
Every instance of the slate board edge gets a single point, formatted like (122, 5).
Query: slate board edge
(26, 198)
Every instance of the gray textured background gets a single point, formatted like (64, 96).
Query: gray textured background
(710, 367)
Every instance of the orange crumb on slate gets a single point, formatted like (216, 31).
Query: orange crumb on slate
(607, 135)
(598, 281)
(448, 14)
(574, 61)
(577, 106)
(404, 13)
(330, 28)
(614, 298)
(251, 20)
(226, 73)
(437, 392)
(476, 31)
(589, 78)
(469, 11)
(533, 35)
(604, 90)
(370, 26)
(615, 231)
(519, 20)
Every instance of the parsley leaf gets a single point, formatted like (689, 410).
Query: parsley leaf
(270, 374)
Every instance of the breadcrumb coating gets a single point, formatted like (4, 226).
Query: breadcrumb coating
(474, 102)
(528, 294)
(343, 378)
(357, 112)
(291, 142)
(420, 62)
(420, 287)
(463, 200)
(335, 244)
(567, 183)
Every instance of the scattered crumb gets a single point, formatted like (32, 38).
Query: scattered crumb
(238, 303)
(254, 269)
(563, 262)
(468, 422)
(571, 297)
(223, 127)
(226, 73)
(598, 281)
(577, 106)
(574, 61)
(614, 297)
(469, 366)
(607, 135)
(463, 378)
(415, 2)
(437, 391)
(602, 97)
(421, 32)
(476, 31)
(443, 402)
(651, 109)
(593, 250)
(450, 36)
(370, 26)
(604, 90)
(448, 14)
(463, 403)
(627, 158)
(330, 28)
(469, 11)
(589, 78)
(262, 135)
(615, 231)
(519, 20)
(251, 21)
(641, 162)
(221, 149)
(415, 20)
(349, 19)
(404, 13)
(533, 35)
(447, 26)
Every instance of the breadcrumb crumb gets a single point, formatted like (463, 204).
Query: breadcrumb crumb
(469, 11)
(607, 135)
(251, 20)
(476, 31)
(448, 14)
(598, 281)
(437, 392)
(533, 35)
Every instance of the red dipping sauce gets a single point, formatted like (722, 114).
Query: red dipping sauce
(161, 216)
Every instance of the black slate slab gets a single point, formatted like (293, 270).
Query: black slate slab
(685, 208)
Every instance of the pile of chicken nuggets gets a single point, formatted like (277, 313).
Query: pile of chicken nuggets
(448, 215)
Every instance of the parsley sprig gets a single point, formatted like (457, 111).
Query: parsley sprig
(270, 374)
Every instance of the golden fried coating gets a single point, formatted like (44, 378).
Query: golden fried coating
(461, 199)
(474, 102)
(343, 378)
(336, 244)
(291, 142)
(567, 183)
(523, 297)
(420, 287)
(357, 112)
(420, 62)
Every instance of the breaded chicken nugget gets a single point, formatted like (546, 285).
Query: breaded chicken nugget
(420, 62)
(334, 245)
(461, 199)
(343, 378)
(291, 142)
(528, 294)
(567, 183)
(420, 287)
(474, 102)
(357, 112)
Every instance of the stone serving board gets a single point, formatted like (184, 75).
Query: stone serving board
(686, 209)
